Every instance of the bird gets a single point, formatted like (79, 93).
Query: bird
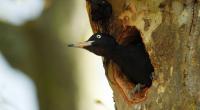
(133, 61)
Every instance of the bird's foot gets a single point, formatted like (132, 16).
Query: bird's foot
(127, 4)
(136, 90)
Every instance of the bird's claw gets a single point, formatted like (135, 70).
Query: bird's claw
(127, 4)
(135, 90)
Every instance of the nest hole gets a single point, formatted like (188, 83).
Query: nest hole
(130, 37)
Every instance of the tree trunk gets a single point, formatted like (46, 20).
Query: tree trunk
(170, 30)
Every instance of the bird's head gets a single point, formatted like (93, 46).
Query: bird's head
(99, 43)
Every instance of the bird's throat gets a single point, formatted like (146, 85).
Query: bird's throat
(115, 53)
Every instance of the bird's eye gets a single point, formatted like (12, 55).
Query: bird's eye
(98, 36)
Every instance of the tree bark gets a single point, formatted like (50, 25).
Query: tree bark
(170, 30)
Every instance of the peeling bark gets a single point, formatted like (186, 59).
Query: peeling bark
(170, 30)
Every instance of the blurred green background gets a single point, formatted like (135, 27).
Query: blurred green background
(65, 78)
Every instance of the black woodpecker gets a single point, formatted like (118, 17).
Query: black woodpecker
(133, 60)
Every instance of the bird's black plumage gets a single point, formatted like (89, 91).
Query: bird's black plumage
(133, 60)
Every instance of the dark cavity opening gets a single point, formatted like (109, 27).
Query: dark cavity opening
(131, 38)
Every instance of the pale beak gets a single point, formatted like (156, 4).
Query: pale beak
(81, 44)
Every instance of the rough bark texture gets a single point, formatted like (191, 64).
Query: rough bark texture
(170, 30)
